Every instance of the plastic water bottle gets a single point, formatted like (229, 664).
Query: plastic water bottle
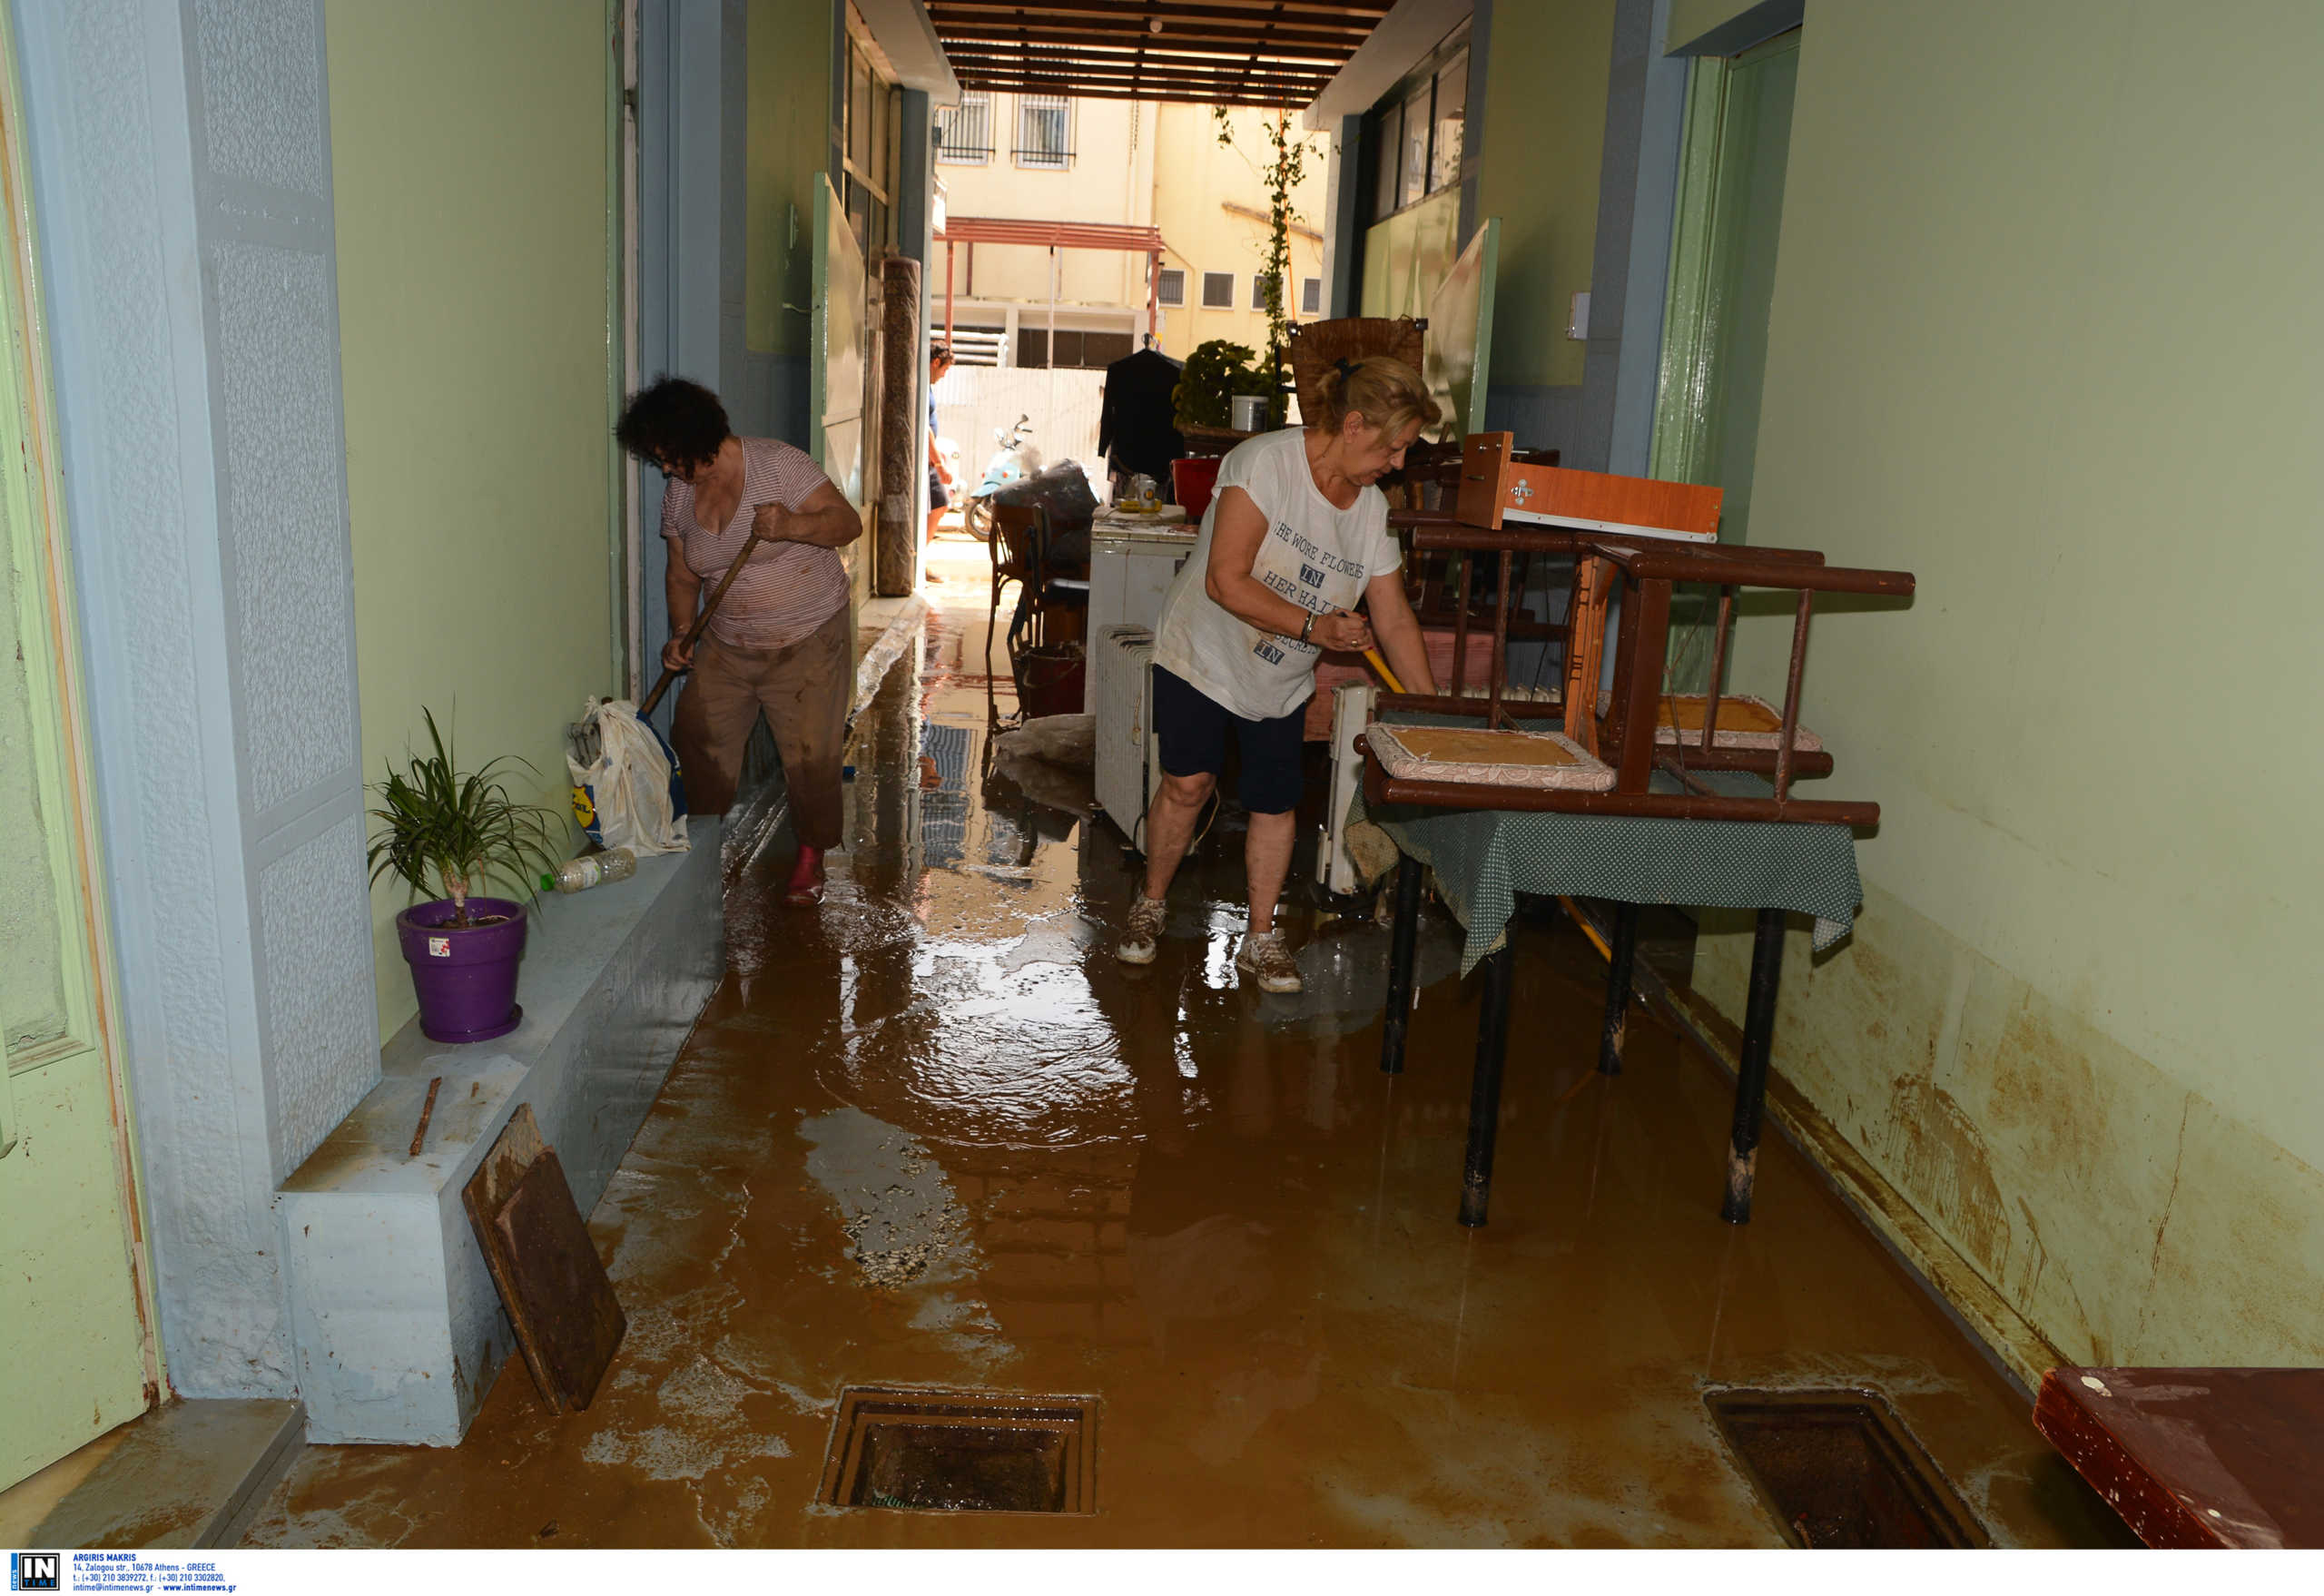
(578, 876)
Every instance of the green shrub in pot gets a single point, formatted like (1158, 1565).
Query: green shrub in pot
(1215, 373)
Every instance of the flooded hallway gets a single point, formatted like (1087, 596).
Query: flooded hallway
(805, 775)
(932, 1133)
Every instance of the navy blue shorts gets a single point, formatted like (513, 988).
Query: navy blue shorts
(1193, 728)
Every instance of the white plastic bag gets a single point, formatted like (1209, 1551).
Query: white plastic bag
(630, 796)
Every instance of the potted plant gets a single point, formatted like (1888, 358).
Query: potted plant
(442, 831)
(1214, 373)
(1282, 172)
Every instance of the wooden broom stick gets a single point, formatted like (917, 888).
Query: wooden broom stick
(694, 633)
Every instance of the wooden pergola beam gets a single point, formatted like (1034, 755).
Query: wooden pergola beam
(1199, 94)
(1262, 52)
(1189, 91)
(1042, 57)
(1211, 39)
(1323, 16)
(974, 74)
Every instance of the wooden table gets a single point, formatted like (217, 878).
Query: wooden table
(2196, 1457)
(1484, 858)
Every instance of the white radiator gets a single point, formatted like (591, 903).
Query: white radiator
(1122, 701)
(1350, 708)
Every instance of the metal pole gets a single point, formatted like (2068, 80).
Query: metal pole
(948, 293)
(1485, 1086)
(1401, 939)
(1751, 1069)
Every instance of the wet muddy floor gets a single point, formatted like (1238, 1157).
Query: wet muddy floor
(933, 1133)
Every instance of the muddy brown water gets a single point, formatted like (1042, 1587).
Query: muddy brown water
(933, 1134)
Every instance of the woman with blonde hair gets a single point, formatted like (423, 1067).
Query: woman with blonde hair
(1294, 538)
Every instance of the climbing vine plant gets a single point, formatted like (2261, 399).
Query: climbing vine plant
(1286, 165)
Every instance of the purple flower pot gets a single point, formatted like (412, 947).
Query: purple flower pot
(466, 978)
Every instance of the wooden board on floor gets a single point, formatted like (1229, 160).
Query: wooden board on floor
(568, 1323)
(560, 1285)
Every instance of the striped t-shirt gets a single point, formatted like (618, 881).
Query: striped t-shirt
(788, 589)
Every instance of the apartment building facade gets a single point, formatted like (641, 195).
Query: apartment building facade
(1054, 157)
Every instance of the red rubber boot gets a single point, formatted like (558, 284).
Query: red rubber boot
(806, 888)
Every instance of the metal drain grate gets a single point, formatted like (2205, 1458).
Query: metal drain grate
(1841, 1470)
(962, 1452)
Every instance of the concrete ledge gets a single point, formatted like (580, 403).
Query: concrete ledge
(189, 1473)
(397, 1325)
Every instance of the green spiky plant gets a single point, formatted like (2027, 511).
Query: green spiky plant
(439, 828)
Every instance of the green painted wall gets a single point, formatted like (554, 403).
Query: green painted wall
(2047, 331)
(788, 137)
(468, 164)
(1545, 135)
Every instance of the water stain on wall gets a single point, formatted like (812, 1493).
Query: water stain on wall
(2118, 1211)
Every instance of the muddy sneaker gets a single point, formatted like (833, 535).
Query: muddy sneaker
(1142, 931)
(1263, 958)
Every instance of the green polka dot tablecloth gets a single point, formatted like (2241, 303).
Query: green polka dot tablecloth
(1484, 857)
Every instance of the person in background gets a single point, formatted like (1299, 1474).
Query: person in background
(1296, 535)
(940, 475)
(782, 641)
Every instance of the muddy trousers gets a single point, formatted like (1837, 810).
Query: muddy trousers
(805, 691)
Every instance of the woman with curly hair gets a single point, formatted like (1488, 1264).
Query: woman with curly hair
(782, 641)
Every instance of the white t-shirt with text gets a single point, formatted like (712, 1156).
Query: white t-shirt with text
(1315, 555)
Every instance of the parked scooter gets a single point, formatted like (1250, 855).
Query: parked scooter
(1016, 461)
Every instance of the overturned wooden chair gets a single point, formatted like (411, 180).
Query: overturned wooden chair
(1577, 795)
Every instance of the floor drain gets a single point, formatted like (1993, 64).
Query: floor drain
(1840, 1469)
(962, 1452)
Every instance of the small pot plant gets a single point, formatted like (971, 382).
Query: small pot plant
(443, 831)
(1214, 373)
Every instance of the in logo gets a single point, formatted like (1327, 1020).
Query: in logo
(36, 1570)
(1311, 575)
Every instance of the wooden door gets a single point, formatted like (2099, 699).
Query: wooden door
(74, 1315)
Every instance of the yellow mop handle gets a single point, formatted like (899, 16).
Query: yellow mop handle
(1372, 657)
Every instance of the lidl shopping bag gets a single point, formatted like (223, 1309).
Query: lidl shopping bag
(632, 795)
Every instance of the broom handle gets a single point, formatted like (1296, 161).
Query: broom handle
(694, 633)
